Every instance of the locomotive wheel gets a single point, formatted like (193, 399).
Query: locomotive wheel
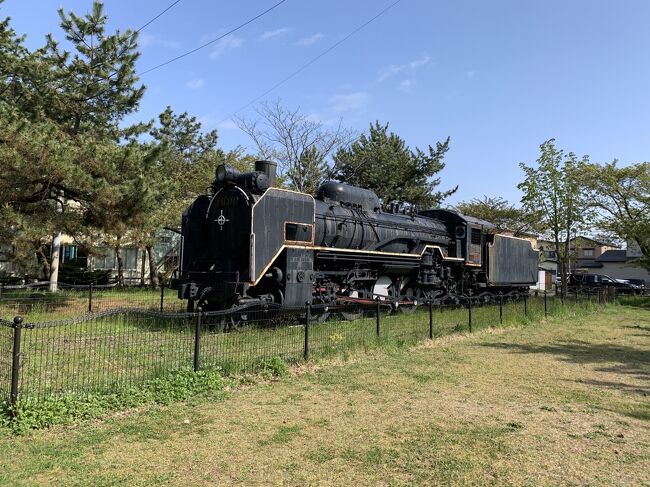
(408, 309)
(322, 317)
(451, 300)
(408, 304)
(235, 321)
(351, 315)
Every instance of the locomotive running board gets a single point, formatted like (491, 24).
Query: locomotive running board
(357, 252)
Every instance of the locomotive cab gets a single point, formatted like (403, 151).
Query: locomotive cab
(470, 235)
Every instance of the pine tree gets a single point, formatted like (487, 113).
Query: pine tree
(61, 112)
(382, 162)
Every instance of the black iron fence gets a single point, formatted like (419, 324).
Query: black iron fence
(36, 303)
(103, 350)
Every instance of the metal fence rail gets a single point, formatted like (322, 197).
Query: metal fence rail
(36, 303)
(6, 350)
(102, 351)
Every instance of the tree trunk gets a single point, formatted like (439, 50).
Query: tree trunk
(54, 266)
(560, 265)
(120, 265)
(142, 266)
(42, 260)
(153, 271)
(567, 260)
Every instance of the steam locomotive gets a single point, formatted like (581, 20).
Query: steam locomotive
(251, 243)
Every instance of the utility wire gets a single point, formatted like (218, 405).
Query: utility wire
(310, 62)
(159, 15)
(213, 40)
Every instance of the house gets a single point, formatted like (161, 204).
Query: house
(583, 253)
(622, 264)
(135, 261)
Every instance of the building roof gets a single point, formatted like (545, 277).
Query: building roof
(613, 256)
(588, 263)
(580, 238)
(589, 239)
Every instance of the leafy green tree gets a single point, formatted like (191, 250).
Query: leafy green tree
(555, 191)
(502, 214)
(96, 84)
(621, 198)
(61, 113)
(310, 171)
(71, 164)
(381, 161)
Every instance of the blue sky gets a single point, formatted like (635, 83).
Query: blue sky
(498, 77)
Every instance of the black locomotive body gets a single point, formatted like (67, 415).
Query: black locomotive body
(251, 243)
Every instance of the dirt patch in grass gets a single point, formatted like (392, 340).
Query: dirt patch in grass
(549, 404)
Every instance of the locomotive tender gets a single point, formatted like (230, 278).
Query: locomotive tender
(248, 242)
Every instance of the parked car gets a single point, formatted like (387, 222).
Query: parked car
(638, 284)
(594, 282)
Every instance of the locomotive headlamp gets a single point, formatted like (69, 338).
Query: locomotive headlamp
(225, 172)
(221, 173)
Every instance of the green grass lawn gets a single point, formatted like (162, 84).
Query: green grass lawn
(561, 402)
(38, 305)
(113, 351)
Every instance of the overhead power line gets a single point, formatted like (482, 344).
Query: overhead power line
(311, 61)
(157, 16)
(180, 56)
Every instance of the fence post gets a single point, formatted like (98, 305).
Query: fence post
(378, 316)
(90, 297)
(430, 319)
(15, 363)
(576, 295)
(525, 304)
(599, 300)
(500, 307)
(469, 312)
(162, 295)
(545, 305)
(197, 340)
(2, 289)
(307, 321)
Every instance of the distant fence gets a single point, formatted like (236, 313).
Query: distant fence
(34, 302)
(101, 351)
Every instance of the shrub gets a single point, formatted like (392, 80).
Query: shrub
(33, 413)
(273, 367)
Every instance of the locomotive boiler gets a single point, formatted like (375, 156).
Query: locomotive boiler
(251, 243)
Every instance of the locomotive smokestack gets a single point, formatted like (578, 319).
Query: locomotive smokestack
(268, 168)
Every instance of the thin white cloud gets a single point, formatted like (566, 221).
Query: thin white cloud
(407, 85)
(320, 118)
(391, 70)
(394, 69)
(350, 101)
(148, 40)
(195, 84)
(273, 34)
(308, 41)
(419, 62)
(227, 43)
